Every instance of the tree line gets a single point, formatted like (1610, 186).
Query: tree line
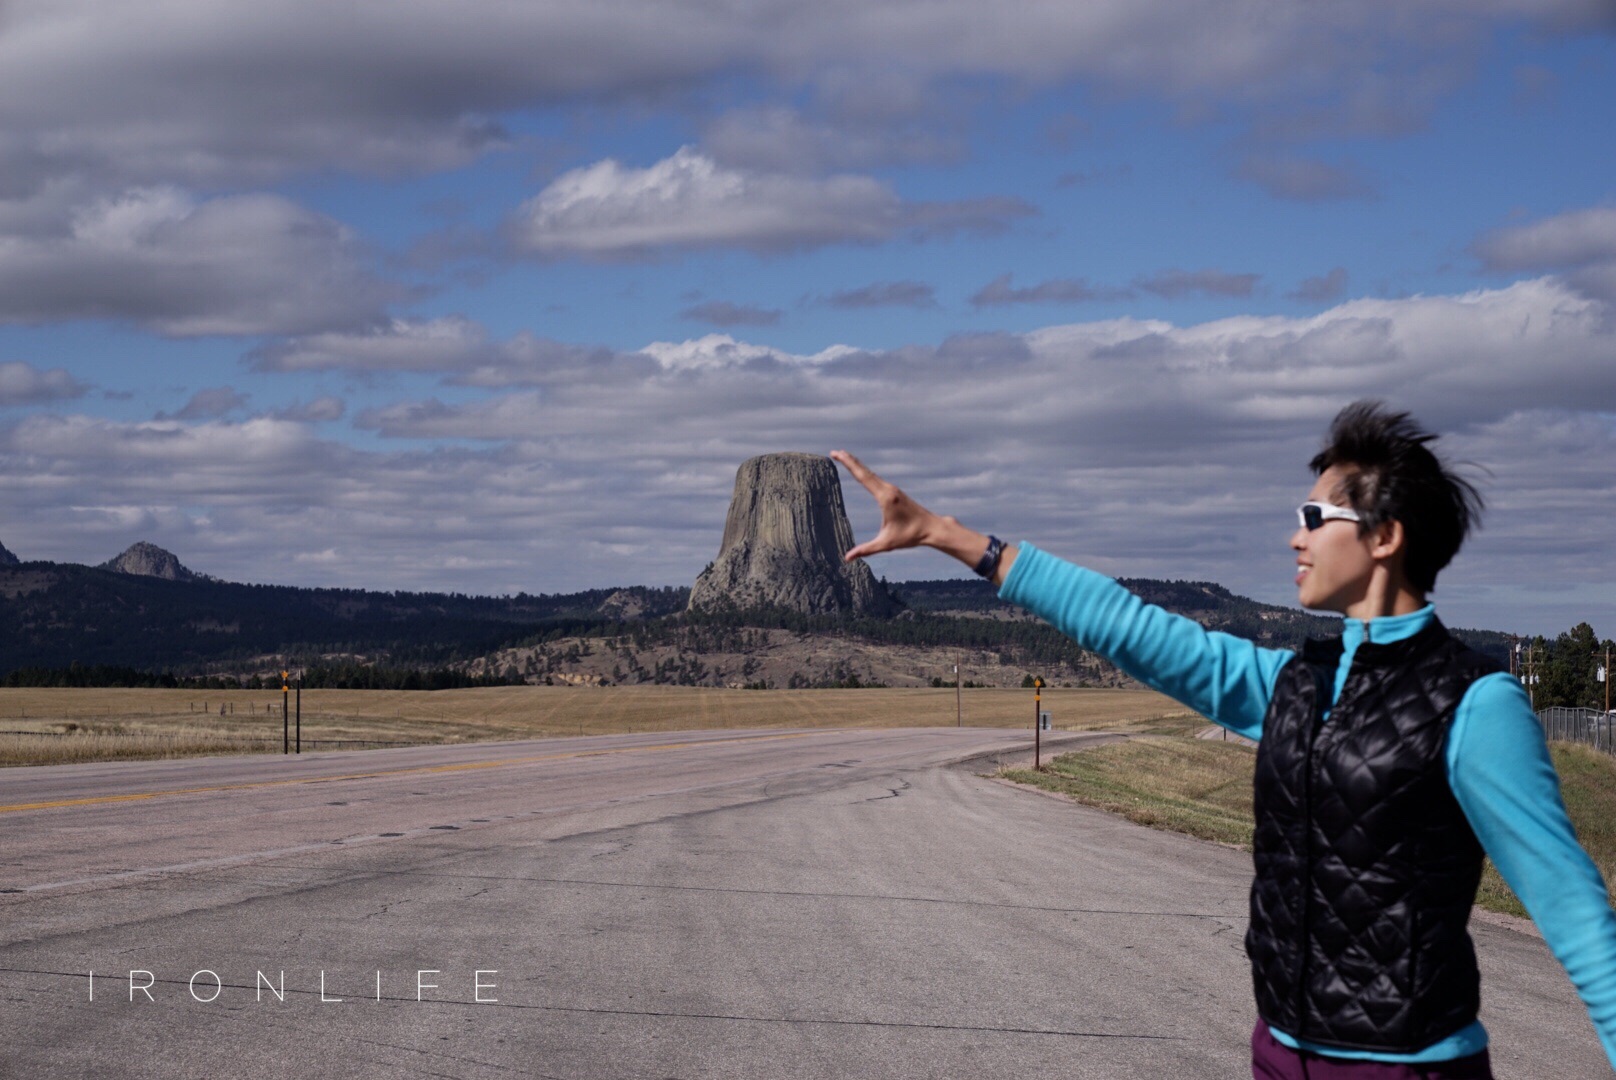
(1565, 669)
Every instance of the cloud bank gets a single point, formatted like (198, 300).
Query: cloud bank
(1140, 446)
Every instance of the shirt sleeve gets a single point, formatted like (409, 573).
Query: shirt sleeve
(1227, 679)
(1500, 771)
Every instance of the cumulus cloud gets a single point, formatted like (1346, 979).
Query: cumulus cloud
(1172, 284)
(443, 344)
(1143, 446)
(1140, 446)
(24, 384)
(611, 211)
(913, 294)
(724, 313)
(237, 265)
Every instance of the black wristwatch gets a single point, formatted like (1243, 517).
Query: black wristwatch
(989, 562)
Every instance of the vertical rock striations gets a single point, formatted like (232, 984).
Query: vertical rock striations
(783, 543)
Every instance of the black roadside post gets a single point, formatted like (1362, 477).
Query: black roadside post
(300, 714)
(959, 702)
(1037, 723)
(286, 733)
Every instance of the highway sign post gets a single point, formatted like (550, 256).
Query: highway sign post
(1037, 716)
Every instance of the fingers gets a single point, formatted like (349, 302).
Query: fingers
(865, 550)
(856, 553)
(861, 473)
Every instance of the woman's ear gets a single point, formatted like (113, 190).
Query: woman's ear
(1388, 539)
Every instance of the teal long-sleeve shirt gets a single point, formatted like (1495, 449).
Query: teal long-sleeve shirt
(1498, 763)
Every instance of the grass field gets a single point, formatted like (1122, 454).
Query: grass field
(109, 725)
(1200, 787)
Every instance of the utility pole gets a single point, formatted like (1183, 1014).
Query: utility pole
(959, 699)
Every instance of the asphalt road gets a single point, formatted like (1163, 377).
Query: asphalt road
(753, 905)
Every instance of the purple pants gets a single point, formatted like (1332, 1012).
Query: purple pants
(1273, 1060)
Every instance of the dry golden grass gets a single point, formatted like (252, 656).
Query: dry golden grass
(1174, 782)
(104, 725)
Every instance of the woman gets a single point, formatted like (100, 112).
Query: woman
(1390, 761)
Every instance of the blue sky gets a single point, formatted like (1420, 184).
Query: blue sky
(489, 298)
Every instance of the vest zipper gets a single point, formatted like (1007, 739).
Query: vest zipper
(1303, 1015)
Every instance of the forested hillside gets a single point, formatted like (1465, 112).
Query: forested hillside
(55, 616)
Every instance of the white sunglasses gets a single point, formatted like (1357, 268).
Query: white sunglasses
(1311, 515)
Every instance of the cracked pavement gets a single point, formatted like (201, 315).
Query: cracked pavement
(783, 904)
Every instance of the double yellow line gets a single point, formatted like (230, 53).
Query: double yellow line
(97, 800)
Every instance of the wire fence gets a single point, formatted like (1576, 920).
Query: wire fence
(1590, 726)
(247, 740)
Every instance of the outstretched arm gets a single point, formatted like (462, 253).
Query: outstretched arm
(1224, 678)
(907, 524)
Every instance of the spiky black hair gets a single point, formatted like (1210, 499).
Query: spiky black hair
(1391, 474)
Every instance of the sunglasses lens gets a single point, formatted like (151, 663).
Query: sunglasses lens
(1312, 517)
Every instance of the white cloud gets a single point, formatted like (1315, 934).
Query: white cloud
(238, 265)
(1142, 447)
(775, 138)
(211, 94)
(1581, 244)
(688, 200)
(444, 344)
(719, 351)
(1577, 238)
(24, 384)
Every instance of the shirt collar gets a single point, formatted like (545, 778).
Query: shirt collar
(1386, 628)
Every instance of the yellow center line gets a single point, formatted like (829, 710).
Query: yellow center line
(463, 767)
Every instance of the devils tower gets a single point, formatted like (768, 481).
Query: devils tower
(783, 543)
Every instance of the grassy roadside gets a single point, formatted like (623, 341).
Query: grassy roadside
(1202, 788)
(78, 725)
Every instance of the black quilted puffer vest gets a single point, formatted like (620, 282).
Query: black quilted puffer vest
(1366, 866)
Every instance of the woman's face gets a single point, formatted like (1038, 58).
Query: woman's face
(1333, 562)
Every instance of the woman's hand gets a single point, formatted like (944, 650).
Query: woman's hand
(904, 522)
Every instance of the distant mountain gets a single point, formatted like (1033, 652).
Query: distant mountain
(149, 560)
(56, 614)
(152, 614)
(1209, 604)
(7, 558)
